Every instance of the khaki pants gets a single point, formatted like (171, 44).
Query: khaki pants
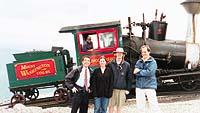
(118, 98)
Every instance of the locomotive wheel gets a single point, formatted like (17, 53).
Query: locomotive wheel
(60, 95)
(188, 83)
(17, 98)
(32, 94)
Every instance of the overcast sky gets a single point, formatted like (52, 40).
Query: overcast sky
(34, 24)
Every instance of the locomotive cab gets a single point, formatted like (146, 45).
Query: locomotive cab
(104, 37)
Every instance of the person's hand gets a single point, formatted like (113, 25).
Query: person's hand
(91, 50)
(127, 92)
(74, 90)
(89, 91)
(136, 70)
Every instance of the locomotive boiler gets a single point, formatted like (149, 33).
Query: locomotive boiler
(169, 54)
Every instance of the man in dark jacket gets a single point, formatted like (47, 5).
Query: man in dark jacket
(122, 80)
(78, 80)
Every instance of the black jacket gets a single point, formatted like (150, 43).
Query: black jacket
(72, 77)
(122, 75)
(102, 83)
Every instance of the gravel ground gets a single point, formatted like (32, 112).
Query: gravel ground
(168, 104)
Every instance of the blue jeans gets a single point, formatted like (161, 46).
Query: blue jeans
(100, 104)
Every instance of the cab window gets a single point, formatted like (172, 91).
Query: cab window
(97, 41)
(106, 40)
(88, 42)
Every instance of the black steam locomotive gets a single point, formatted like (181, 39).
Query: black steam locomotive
(178, 61)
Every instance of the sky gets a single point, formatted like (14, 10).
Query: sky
(27, 25)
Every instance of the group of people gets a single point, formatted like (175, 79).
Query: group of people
(112, 81)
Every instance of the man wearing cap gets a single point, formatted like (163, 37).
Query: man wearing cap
(121, 81)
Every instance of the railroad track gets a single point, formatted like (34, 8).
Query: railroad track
(175, 96)
(46, 102)
(163, 97)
